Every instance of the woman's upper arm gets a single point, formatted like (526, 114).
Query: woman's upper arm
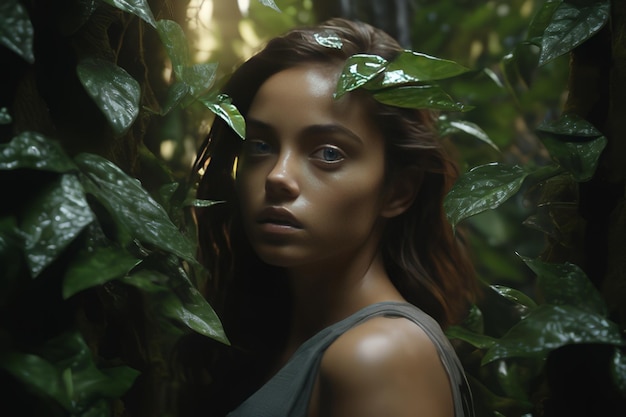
(384, 367)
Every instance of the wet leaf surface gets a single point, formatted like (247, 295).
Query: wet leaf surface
(358, 70)
(113, 90)
(419, 97)
(175, 43)
(131, 206)
(32, 150)
(411, 67)
(16, 30)
(139, 8)
(52, 220)
(222, 107)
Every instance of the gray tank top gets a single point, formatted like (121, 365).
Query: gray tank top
(288, 393)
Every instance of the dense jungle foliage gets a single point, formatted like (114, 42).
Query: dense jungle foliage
(102, 101)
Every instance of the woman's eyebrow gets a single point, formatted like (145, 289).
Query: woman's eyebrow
(326, 129)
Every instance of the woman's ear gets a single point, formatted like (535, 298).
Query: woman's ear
(401, 192)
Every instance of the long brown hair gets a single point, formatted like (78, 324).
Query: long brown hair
(421, 253)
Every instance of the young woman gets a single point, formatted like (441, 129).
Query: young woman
(332, 265)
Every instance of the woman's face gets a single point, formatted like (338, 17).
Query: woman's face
(311, 176)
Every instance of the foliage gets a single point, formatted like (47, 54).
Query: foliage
(98, 281)
(508, 337)
(97, 277)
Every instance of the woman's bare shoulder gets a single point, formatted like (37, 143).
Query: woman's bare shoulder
(384, 366)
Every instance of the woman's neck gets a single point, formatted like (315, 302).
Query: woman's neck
(321, 298)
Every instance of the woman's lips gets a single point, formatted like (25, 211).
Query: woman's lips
(278, 219)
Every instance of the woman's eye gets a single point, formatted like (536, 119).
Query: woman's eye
(329, 154)
(257, 147)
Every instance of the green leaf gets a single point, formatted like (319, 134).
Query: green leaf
(618, 370)
(176, 93)
(482, 188)
(477, 340)
(571, 125)
(96, 266)
(186, 305)
(419, 97)
(175, 43)
(541, 20)
(222, 107)
(202, 203)
(549, 327)
(113, 90)
(38, 374)
(328, 39)
(514, 295)
(34, 151)
(16, 30)
(574, 143)
(412, 67)
(52, 220)
(139, 8)
(358, 70)
(131, 206)
(562, 284)
(571, 25)
(199, 77)
(72, 358)
(5, 117)
(451, 126)
(270, 3)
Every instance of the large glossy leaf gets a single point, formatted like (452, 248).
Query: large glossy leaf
(482, 188)
(52, 220)
(570, 26)
(419, 97)
(566, 283)
(578, 158)
(175, 95)
(34, 151)
(222, 106)
(96, 266)
(549, 327)
(478, 340)
(175, 43)
(185, 305)
(113, 90)
(64, 371)
(16, 31)
(139, 8)
(38, 375)
(514, 295)
(199, 77)
(541, 20)
(131, 206)
(358, 70)
(412, 67)
(71, 356)
(572, 126)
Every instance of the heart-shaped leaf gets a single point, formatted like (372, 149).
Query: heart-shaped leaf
(419, 97)
(16, 30)
(358, 70)
(175, 43)
(131, 206)
(34, 151)
(113, 90)
(139, 8)
(412, 67)
(549, 327)
(571, 25)
(566, 283)
(95, 267)
(222, 106)
(53, 219)
(482, 188)
(270, 3)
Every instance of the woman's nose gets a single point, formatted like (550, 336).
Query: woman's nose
(282, 180)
